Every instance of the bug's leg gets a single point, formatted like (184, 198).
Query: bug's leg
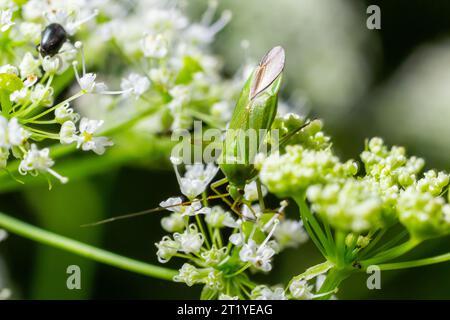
(234, 207)
(216, 185)
(249, 206)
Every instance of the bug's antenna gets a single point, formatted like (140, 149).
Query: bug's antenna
(144, 212)
(294, 132)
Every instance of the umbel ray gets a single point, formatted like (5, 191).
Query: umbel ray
(255, 109)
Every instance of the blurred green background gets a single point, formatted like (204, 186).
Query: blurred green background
(393, 82)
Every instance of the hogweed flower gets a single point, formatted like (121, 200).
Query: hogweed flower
(5, 20)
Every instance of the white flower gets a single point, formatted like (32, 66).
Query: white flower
(16, 134)
(87, 84)
(160, 76)
(33, 9)
(42, 95)
(259, 255)
(167, 248)
(219, 218)
(31, 31)
(180, 95)
(204, 33)
(67, 133)
(36, 160)
(66, 55)
(214, 280)
(263, 292)
(214, 256)
(30, 80)
(29, 65)
(135, 84)
(20, 96)
(5, 20)
(300, 289)
(290, 233)
(251, 191)
(51, 64)
(175, 205)
(227, 297)
(154, 46)
(238, 238)
(173, 223)
(65, 113)
(7, 68)
(188, 274)
(190, 240)
(196, 179)
(86, 139)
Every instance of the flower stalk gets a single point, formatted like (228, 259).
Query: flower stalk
(90, 252)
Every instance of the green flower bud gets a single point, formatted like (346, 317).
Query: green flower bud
(424, 215)
(299, 168)
(351, 206)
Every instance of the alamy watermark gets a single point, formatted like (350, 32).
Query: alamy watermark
(73, 281)
(374, 280)
(373, 22)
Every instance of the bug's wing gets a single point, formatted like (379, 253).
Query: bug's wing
(270, 67)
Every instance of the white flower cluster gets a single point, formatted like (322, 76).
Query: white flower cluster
(170, 66)
(28, 79)
(200, 233)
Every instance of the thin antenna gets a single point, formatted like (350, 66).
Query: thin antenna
(144, 212)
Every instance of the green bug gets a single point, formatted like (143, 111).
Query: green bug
(255, 110)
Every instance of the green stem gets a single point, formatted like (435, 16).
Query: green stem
(49, 238)
(312, 272)
(392, 253)
(334, 278)
(415, 263)
(308, 218)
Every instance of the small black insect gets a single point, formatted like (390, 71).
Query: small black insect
(52, 39)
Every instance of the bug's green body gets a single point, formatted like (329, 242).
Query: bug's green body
(256, 109)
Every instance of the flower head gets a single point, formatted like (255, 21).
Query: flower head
(86, 139)
(167, 248)
(5, 20)
(190, 240)
(135, 84)
(196, 179)
(176, 205)
(36, 161)
(263, 292)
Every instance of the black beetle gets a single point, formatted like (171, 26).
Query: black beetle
(52, 39)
